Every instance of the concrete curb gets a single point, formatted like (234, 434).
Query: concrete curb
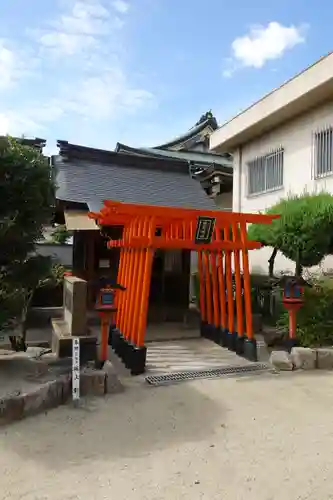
(57, 392)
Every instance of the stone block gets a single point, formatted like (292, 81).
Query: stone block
(75, 305)
(62, 343)
(112, 382)
(21, 365)
(92, 382)
(11, 408)
(51, 394)
(303, 358)
(273, 337)
(325, 358)
(281, 360)
(33, 401)
(48, 396)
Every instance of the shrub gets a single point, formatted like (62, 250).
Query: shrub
(315, 318)
(303, 233)
(61, 235)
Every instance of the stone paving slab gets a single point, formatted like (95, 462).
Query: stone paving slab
(189, 355)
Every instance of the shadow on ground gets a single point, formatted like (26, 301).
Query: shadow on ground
(132, 424)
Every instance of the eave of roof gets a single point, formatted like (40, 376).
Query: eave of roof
(196, 157)
(210, 122)
(71, 152)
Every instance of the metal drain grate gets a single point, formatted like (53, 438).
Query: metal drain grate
(212, 373)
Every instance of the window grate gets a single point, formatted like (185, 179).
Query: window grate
(265, 173)
(323, 152)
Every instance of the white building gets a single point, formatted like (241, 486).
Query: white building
(282, 144)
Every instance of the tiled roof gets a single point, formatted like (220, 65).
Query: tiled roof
(120, 178)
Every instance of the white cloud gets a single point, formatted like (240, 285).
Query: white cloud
(106, 96)
(263, 44)
(4, 124)
(121, 6)
(79, 28)
(95, 85)
(102, 89)
(16, 124)
(93, 8)
(65, 43)
(29, 120)
(12, 65)
(7, 66)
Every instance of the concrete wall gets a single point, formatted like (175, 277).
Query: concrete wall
(62, 253)
(296, 139)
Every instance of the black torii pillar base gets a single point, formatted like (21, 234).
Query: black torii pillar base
(133, 357)
(250, 350)
(239, 344)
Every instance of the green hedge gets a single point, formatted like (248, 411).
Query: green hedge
(315, 318)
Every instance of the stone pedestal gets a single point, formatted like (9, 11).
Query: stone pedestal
(74, 322)
(75, 305)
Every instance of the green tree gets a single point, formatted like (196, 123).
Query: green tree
(60, 235)
(303, 233)
(27, 196)
(36, 272)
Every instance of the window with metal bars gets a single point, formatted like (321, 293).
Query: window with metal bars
(323, 152)
(265, 173)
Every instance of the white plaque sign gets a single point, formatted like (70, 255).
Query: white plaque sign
(76, 369)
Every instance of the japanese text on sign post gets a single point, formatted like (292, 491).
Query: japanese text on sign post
(76, 369)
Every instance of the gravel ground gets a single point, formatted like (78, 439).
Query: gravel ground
(256, 438)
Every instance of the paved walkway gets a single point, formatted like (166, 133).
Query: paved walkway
(187, 355)
(267, 437)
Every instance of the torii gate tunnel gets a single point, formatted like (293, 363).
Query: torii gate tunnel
(220, 240)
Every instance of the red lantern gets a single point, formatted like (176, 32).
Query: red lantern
(292, 300)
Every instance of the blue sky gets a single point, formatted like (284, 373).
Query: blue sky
(95, 72)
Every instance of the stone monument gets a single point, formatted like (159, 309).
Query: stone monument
(74, 321)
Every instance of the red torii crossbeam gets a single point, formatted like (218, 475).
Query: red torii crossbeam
(219, 237)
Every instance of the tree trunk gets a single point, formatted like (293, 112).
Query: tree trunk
(299, 267)
(23, 346)
(19, 344)
(271, 262)
(24, 328)
(298, 270)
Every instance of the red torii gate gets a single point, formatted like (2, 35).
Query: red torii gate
(219, 238)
